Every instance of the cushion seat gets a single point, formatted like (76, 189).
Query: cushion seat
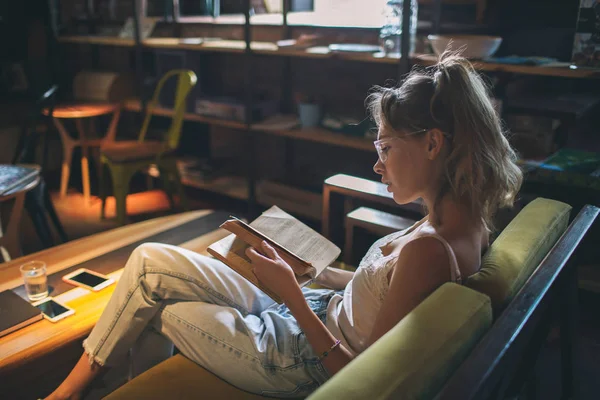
(133, 150)
(180, 378)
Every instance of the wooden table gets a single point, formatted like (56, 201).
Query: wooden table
(10, 241)
(38, 350)
(79, 112)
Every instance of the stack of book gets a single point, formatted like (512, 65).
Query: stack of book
(567, 166)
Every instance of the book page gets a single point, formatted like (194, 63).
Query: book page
(298, 238)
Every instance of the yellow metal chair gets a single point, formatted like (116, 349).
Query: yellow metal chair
(125, 158)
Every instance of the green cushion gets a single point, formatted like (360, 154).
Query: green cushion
(519, 249)
(416, 357)
(179, 378)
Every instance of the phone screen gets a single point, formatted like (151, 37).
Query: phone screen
(87, 279)
(52, 309)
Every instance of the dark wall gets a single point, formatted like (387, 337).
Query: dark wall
(13, 30)
(535, 27)
(24, 39)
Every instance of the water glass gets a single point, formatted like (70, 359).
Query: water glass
(36, 281)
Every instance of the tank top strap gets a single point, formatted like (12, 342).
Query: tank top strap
(404, 232)
(454, 270)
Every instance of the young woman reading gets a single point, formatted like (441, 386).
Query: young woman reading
(440, 140)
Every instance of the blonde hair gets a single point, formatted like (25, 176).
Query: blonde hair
(480, 164)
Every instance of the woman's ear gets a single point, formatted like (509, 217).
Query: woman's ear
(435, 142)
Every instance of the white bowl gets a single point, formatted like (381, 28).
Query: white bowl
(472, 46)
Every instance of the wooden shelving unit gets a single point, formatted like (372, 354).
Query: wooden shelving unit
(564, 71)
(135, 105)
(318, 135)
(230, 46)
(244, 188)
(231, 186)
(268, 48)
(99, 40)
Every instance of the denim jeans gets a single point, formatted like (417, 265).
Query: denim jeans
(213, 316)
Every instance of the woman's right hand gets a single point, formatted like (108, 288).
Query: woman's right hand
(273, 272)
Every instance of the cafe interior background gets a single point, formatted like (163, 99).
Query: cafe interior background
(277, 105)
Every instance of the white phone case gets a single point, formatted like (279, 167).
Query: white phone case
(58, 317)
(108, 281)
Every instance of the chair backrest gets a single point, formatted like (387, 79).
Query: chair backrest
(25, 151)
(520, 248)
(186, 80)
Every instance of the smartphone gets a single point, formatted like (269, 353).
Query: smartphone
(53, 311)
(88, 279)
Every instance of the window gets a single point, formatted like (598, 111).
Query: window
(194, 8)
(182, 8)
(349, 12)
(362, 13)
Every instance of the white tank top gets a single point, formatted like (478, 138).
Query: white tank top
(351, 318)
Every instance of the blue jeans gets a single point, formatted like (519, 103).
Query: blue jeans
(213, 316)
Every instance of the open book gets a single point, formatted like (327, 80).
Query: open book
(306, 251)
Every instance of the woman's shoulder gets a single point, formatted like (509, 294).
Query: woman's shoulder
(425, 250)
(422, 266)
(462, 248)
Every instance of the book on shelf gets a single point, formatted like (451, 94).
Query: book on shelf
(16, 312)
(586, 43)
(572, 160)
(306, 251)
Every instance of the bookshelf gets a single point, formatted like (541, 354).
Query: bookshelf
(271, 49)
(249, 48)
(230, 186)
(272, 127)
(136, 106)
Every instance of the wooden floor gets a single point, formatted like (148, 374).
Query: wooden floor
(82, 219)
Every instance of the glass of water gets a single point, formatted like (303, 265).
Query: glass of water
(36, 281)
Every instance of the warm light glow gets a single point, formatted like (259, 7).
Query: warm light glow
(73, 205)
(153, 171)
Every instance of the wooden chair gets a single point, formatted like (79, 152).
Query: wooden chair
(347, 202)
(124, 158)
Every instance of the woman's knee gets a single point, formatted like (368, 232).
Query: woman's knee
(160, 255)
(149, 249)
(145, 253)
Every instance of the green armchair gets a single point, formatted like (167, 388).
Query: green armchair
(458, 333)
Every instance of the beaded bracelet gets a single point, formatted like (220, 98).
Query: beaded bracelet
(326, 353)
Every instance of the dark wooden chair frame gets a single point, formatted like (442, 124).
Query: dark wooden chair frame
(37, 201)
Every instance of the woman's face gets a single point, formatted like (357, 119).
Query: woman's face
(403, 164)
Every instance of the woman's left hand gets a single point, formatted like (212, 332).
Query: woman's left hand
(273, 272)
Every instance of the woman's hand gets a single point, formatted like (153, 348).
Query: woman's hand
(274, 273)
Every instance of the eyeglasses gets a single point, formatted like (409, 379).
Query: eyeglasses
(383, 145)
